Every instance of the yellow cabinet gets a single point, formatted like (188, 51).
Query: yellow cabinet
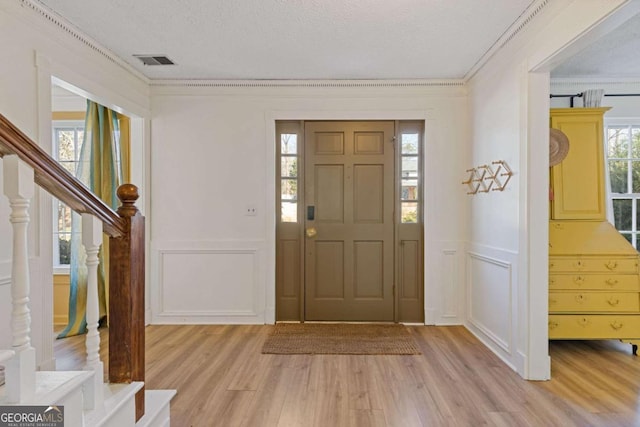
(578, 181)
(594, 276)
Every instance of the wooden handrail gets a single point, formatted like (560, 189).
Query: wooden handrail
(126, 269)
(51, 176)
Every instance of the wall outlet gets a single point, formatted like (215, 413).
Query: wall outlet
(251, 210)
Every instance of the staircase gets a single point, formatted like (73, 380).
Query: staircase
(85, 398)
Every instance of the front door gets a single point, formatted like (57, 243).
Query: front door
(348, 221)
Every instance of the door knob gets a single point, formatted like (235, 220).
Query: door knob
(311, 232)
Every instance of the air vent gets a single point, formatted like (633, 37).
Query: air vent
(154, 59)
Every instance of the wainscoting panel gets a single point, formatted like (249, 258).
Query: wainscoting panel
(450, 288)
(209, 285)
(490, 298)
(444, 265)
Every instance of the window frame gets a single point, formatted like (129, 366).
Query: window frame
(634, 233)
(68, 121)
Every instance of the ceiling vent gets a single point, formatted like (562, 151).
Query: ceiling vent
(155, 59)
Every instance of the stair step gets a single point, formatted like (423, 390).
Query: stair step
(118, 409)
(156, 408)
(53, 386)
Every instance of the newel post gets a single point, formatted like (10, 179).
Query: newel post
(126, 297)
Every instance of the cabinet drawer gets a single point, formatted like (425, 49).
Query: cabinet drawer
(595, 326)
(593, 301)
(602, 265)
(608, 282)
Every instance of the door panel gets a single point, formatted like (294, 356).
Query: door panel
(368, 270)
(349, 180)
(329, 282)
(329, 192)
(368, 194)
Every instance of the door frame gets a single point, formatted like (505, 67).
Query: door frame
(429, 123)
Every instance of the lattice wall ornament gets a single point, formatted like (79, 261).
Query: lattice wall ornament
(485, 178)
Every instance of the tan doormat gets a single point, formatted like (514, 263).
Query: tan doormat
(340, 338)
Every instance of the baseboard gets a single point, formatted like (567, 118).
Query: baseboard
(487, 341)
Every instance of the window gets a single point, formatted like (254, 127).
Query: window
(67, 141)
(623, 161)
(289, 177)
(409, 176)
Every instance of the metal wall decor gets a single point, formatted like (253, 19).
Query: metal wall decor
(485, 178)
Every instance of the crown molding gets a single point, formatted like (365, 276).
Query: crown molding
(61, 23)
(517, 27)
(310, 83)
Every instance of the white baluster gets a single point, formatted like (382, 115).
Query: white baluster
(92, 239)
(21, 369)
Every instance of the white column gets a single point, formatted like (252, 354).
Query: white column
(21, 369)
(92, 239)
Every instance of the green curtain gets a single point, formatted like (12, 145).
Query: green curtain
(100, 169)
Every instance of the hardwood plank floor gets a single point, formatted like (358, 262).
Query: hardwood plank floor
(222, 379)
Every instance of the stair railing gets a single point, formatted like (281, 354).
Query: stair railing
(25, 163)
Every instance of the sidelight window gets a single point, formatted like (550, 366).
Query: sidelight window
(289, 177)
(409, 177)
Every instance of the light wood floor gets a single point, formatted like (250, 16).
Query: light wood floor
(222, 379)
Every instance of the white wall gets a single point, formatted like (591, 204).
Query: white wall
(35, 49)
(507, 264)
(214, 154)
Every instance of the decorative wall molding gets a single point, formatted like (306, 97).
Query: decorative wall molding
(505, 343)
(450, 292)
(246, 292)
(5, 281)
(309, 83)
(518, 26)
(64, 25)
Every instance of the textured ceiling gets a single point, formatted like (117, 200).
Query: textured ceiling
(296, 39)
(616, 54)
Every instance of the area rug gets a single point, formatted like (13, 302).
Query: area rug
(340, 338)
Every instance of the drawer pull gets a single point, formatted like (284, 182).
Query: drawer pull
(611, 265)
(579, 280)
(553, 325)
(613, 302)
(611, 282)
(552, 281)
(551, 265)
(580, 298)
(583, 322)
(616, 325)
(579, 265)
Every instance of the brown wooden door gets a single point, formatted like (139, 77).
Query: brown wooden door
(349, 203)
